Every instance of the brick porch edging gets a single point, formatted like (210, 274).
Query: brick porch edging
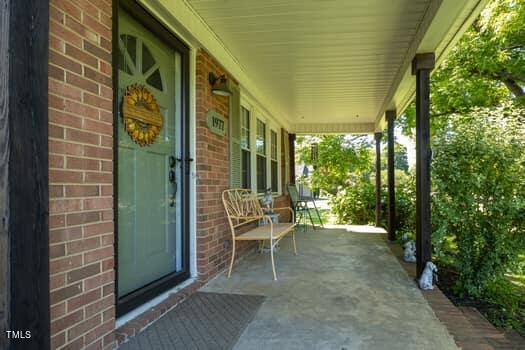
(469, 328)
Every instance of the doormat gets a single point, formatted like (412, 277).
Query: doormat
(203, 321)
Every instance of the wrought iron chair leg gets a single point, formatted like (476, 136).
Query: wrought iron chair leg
(233, 258)
(273, 262)
(318, 214)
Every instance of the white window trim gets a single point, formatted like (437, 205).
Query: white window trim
(271, 125)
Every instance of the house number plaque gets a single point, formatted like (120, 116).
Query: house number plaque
(216, 122)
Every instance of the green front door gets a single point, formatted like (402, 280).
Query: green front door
(149, 176)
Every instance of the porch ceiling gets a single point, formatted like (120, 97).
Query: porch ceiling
(334, 65)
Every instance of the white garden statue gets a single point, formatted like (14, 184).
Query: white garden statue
(410, 251)
(426, 281)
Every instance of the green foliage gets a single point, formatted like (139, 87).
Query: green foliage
(479, 201)
(355, 203)
(486, 67)
(338, 157)
(510, 301)
(400, 156)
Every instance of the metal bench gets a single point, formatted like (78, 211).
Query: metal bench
(242, 208)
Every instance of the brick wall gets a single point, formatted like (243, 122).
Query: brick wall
(81, 175)
(212, 176)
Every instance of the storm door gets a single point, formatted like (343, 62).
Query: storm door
(150, 164)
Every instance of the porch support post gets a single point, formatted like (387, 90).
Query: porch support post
(422, 65)
(291, 140)
(378, 136)
(24, 181)
(390, 117)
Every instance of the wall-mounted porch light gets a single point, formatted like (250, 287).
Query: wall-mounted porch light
(219, 85)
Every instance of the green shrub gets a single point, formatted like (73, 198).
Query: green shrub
(356, 202)
(478, 205)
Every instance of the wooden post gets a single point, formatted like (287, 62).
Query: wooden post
(392, 221)
(24, 182)
(422, 65)
(291, 140)
(4, 174)
(378, 136)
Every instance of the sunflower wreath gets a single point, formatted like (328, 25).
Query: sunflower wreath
(141, 115)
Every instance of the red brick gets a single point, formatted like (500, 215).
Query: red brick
(96, 229)
(64, 205)
(83, 299)
(82, 245)
(98, 127)
(56, 191)
(68, 7)
(65, 264)
(98, 203)
(97, 76)
(56, 73)
(98, 178)
(83, 272)
(99, 306)
(66, 234)
(56, 221)
(61, 147)
(65, 293)
(58, 340)
(80, 29)
(81, 82)
(82, 191)
(99, 280)
(97, 101)
(81, 151)
(65, 62)
(98, 254)
(82, 163)
(82, 218)
(57, 281)
(97, 27)
(82, 136)
(99, 52)
(64, 90)
(56, 251)
(75, 344)
(84, 326)
(58, 310)
(56, 131)
(56, 161)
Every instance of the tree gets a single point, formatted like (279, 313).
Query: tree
(338, 156)
(485, 69)
(479, 202)
(400, 157)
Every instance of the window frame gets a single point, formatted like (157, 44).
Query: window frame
(270, 126)
(246, 149)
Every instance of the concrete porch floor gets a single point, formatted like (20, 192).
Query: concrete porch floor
(344, 290)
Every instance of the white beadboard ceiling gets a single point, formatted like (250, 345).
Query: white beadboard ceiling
(331, 62)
